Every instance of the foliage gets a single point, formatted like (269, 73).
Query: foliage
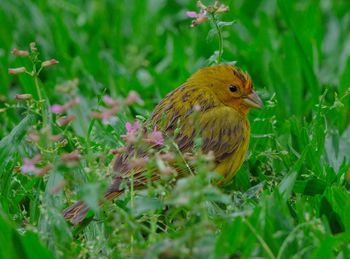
(291, 197)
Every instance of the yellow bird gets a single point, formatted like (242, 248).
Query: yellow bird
(221, 96)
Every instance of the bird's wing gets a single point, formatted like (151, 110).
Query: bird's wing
(187, 113)
(196, 113)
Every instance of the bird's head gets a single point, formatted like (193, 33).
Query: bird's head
(233, 87)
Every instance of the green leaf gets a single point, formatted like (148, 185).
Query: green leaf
(9, 144)
(14, 245)
(287, 184)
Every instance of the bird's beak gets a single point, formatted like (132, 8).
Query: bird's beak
(253, 100)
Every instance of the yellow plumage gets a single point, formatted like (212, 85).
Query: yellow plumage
(221, 97)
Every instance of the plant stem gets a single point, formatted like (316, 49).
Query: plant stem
(221, 40)
(38, 90)
(42, 105)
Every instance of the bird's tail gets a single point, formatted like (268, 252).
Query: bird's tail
(76, 213)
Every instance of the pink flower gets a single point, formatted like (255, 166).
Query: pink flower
(65, 120)
(29, 165)
(131, 131)
(132, 128)
(106, 115)
(33, 136)
(133, 97)
(56, 108)
(42, 171)
(110, 101)
(155, 137)
(73, 156)
(191, 14)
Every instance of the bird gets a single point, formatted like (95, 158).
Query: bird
(221, 96)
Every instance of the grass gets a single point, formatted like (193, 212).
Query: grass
(290, 198)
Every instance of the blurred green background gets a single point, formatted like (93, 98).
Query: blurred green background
(298, 55)
(295, 49)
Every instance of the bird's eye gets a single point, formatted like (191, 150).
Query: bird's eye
(233, 88)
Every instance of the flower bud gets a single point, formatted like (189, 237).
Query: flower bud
(17, 70)
(44, 170)
(200, 5)
(65, 120)
(23, 97)
(49, 63)
(33, 47)
(73, 156)
(20, 53)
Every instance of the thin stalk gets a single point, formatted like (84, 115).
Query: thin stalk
(38, 90)
(220, 38)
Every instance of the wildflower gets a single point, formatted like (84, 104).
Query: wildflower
(68, 86)
(29, 165)
(56, 138)
(109, 101)
(107, 115)
(56, 108)
(202, 16)
(20, 53)
(221, 8)
(131, 133)
(132, 128)
(15, 71)
(199, 17)
(191, 14)
(155, 137)
(133, 97)
(65, 120)
(73, 156)
(23, 97)
(33, 136)
(49, 63)
(42, 171)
